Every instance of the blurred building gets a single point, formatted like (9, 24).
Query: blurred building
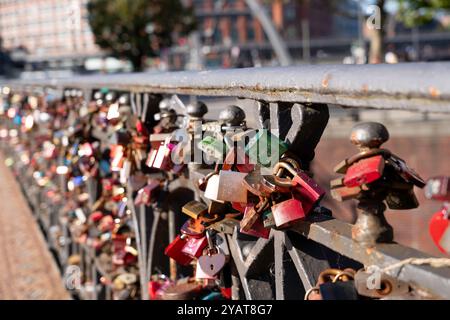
(54, 33)
(231, 36)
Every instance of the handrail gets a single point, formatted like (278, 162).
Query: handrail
(423, 87)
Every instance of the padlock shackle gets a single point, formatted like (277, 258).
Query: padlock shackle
(278, 169)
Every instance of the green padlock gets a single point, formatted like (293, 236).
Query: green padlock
(265, 149)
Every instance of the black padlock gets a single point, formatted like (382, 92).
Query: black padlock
(338, 290)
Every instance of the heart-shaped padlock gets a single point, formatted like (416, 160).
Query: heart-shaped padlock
(440, 229)
(211, 263)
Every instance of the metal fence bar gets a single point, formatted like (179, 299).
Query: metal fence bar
(337, 236)
(414, 86)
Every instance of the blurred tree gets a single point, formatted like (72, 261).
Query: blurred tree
(418, 12)
(138, 29)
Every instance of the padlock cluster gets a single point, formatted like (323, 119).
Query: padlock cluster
(86, 158)
(96, 165)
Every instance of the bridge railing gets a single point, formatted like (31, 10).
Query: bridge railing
(421, 87)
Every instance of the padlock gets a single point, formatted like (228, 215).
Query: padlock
(210, 264)
(221, 243)
(219, 208)
(175, 251)
(106, 223)
(125, 172)
(402, 199)
(288, 212)
(334, 284)
(122, 137)
(340, 192)
(236, 158)
(439, 228)
(160, 154)
(148, 193)
(226, 186)
(117, 157)
(438, 188)
(118, 242)
(193, 228)
(305, 188)
(213, 148)
(268, 220)
(364, 171)
(257, 229)
(265, 149)
(408, 174)
(194, 246)
(157, 286)
(225, 226)
(194, 209)
(252, 214)
(378, 285)
(85, 150)
(263, 185)
(201, 274)
(339, 290)
(182, 291)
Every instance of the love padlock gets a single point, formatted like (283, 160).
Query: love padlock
(175, 251)
(210, 264)
(194, 246)
(304, 188)
(160, 154)
(288, 212)
(257, 229)
(147, 194)
(252, 213)
(264, 148)
(364, 171)
(226, 186)
(117, 157)
(440, 229)
(438, 188)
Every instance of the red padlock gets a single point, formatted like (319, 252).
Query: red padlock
(194, 246)
(175, 251)
(288, 212)
(440, 229)
(364, 171)
(96, 216)
(307, 191)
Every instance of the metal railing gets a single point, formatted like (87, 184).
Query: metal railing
(422, 87)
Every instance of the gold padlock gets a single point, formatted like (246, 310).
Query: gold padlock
(194, 209)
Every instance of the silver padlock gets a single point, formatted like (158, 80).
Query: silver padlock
(227, 186)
